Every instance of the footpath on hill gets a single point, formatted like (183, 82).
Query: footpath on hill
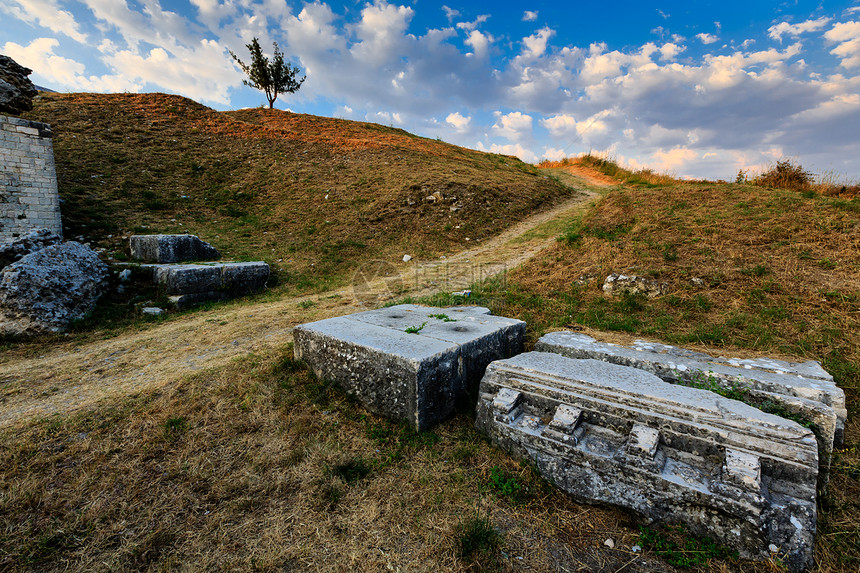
(74, 376)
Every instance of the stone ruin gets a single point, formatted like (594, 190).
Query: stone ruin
(191, 283)
(607, 423)
(409, 362)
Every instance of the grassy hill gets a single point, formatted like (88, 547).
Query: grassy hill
(310, 195)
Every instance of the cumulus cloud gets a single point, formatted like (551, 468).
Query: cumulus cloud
(514, 149)
(777, 31)
(479, 42)
(706, 38)
(47, 14)
(458, 121)
(847, 35)
(468, 26)
(529, 16)
(514, 126)
(534, 46)
(450, 13)
(64, 73)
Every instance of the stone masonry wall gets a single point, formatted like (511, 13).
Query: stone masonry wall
(28, 180)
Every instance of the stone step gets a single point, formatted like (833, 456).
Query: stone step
(802, 388)
(171, 249)
(421, 376)
(619, 435)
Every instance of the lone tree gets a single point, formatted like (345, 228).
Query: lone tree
(273, 78)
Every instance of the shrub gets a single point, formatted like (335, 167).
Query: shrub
(785, 175)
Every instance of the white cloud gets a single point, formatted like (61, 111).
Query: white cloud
(534, 46)
(670, 51)
(381, 33)
(203, 72)
(457, 121)
(514, 126)
(48, 15)
(529, 16)
(847, 35)
(553, 154)
(777, 31)
(64, 73)
(706, 38)
(479, 42)
(450, 13)
(468, 26)
(674, 158)
(516, 150)
(385, 117)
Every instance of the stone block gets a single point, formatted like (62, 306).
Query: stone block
(244, 278)
(171, 248)
(187, 279)
(804, 389)
(421, 376)
(606, 433)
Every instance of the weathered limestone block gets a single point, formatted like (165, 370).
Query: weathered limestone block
(192, 284)
(616, 284)
(671, 454)
(244, 278)
(33, 241)
(420, 377)
(47, 289)
(804, 389)
(171, 248)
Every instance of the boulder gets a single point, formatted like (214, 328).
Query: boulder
(47, 289)
(16, 89)
(33, 241)
(671, 454)
(171, 249)
(616, 284)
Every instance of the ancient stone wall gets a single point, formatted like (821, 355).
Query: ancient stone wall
(28, 180)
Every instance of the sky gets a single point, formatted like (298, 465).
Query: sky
(696, 89)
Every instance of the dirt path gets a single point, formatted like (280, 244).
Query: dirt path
(77, 375)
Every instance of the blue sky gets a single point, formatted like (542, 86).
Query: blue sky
(699, 89)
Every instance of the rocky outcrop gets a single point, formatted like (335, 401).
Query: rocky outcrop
(631, 284)
(46, 290)
(33, 241)
(16, 89)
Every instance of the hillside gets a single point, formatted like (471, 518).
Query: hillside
(311, 195)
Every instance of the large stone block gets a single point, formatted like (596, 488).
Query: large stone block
(409, 362)
(671, 454)
(192, 284)
(171, 248)
(804, 389)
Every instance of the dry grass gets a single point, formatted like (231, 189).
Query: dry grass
(312, 196)
(785, 174)
(260, 467)
(612, 171)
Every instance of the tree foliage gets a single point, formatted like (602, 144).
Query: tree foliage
(272, 77)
